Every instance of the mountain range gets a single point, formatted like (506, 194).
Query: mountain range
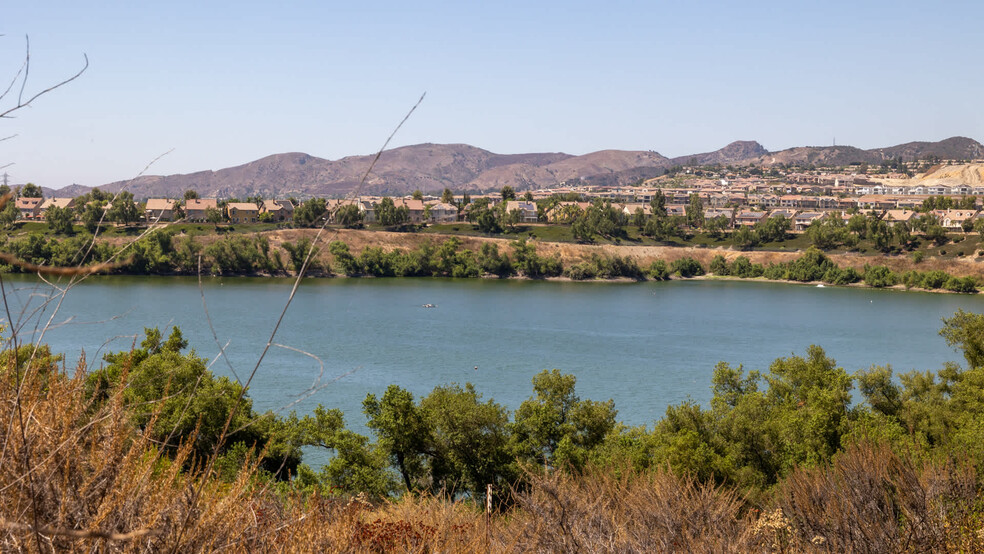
(432, 167)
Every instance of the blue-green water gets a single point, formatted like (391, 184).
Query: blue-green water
(645, 345)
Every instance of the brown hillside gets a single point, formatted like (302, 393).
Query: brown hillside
(432, 167)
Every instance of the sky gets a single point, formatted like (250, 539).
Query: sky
(217, 84)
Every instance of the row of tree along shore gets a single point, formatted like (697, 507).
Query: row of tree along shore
(165, 252)
(155, 449)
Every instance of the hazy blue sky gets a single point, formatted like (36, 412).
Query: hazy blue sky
(224, 85)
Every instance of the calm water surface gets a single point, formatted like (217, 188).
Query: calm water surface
(645, 345)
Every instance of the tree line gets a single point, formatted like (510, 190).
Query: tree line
(164, 252)
(758, 427)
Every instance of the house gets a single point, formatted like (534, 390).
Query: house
(443, 212)
(805, 219)
(195, 208)
(952, 220)
(159, 209)
(877, 202)
(415, 208)
(767, 200)
(527, 210)
(631, 208)
(893, 217)
(368, 210)
(714, 213)
(242, 212)
(29, 208)
(676, 210)
(747, 218)
(566, 212)
(57, 202)
(788, 214)
(279, 210)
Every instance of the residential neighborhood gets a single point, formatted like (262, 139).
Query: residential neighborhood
(731, 199)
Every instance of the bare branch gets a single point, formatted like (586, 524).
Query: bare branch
(21, 103)
(80, 534)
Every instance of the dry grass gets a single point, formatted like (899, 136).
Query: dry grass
(872, 500)
(605, 511)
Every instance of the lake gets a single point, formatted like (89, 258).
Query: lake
(645, 345)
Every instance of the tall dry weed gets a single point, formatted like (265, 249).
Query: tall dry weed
(608, 511)
(870, 499)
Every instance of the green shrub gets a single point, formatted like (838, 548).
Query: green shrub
(658, 271)
(965, 285)
(879, 276)
(581, 271)
(744, 268)
(719, 266)
(687, 267)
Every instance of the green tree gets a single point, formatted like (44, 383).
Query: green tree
(717, 225)
(388, 215)
(555, 427)
(173, 398)
(937, 234)
(310, 212)
(59, 220)
(658, 203)
(124, 210)
(760, 426)
(965, 330)
(349, 215)
(447, 196)
(508, 193)
(190, 194)
(299, 252)
(92, 215)
(357, 465)
(9, 214)
(695, 211)
(745, 237)
(774, 229)
(214, 216)
(30, 190)
(403, 433)
(417, 195)
(470, 447)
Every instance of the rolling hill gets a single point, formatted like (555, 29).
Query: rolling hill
(432, 167)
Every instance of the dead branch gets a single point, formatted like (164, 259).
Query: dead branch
(79, 534)
(21, 103)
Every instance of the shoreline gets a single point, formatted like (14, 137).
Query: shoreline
(556, 279)
(565, 255)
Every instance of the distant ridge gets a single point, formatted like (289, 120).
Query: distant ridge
(736, 152)
(432, 167)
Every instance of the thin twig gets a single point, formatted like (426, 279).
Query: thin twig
(196, 493)
(79, 534)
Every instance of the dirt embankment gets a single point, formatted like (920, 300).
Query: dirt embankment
(573, 253)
